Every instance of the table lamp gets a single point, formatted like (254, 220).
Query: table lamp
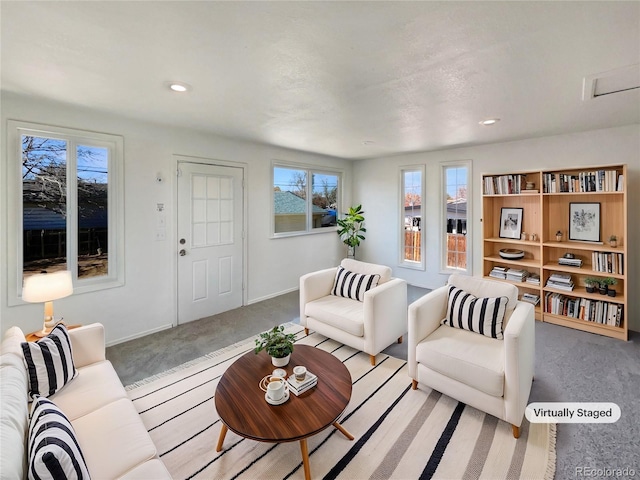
(47, 287)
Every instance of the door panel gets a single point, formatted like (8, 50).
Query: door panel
(210, 262)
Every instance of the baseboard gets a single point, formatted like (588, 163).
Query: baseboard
(273, 295)
(138, 335)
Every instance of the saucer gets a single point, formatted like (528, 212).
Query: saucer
(277, 402)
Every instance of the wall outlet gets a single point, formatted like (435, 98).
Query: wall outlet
(161, 235)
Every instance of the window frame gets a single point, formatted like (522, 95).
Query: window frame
(444, 166)
(402, 262)
(115, 204)
(310, 170)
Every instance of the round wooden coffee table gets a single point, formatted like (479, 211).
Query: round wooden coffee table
(238, 393)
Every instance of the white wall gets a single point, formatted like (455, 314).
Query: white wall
(376, 186)
(147, 301)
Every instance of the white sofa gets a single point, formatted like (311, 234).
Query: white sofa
(488, 374)
(111, 435)
(370, 325)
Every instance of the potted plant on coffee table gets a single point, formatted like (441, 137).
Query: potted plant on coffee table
(278, 345)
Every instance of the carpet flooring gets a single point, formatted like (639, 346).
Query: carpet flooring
(570, 366)
(399, 433)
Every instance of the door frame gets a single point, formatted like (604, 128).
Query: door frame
(179, 159)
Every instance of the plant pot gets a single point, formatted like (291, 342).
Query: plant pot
(613, 243)
(351, 252)
(611, 293)
(281, 362)
(558, 238)
(603, 290)
(590, 289)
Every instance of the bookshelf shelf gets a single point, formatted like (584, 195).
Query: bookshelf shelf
(546, 208)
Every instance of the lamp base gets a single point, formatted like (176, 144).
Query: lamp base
(42, 333)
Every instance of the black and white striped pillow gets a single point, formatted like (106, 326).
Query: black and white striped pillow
(54, 452)
(479, 315)
(353, 285)
(49, 362)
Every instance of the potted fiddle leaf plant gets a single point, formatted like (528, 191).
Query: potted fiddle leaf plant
(351, 229)
(278, 345)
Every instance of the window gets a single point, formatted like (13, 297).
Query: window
(456, 206)
(69, 199)
(411, 225)
(304, 200)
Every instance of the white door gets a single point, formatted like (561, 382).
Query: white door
(210, 245)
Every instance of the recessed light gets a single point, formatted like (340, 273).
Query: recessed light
(489, 121)
(179, 86)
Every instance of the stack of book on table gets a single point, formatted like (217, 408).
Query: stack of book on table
(517, 275)
(561, 281)
(571, 262)
(499, 272)
(297, 387)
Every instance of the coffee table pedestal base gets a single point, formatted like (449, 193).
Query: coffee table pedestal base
(303, 446)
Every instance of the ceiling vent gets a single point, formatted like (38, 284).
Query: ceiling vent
(614, 81)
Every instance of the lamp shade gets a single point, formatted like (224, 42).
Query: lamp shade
(44, 287)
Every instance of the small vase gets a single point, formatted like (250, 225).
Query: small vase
(613, 243)
(281, 362)
(590, 289)
(611, 293)
(603, 290)
(351, 252)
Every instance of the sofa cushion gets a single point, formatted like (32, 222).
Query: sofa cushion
(153, 469)
(479, 315)
(54, 452)
(367, 268)
(353, 285)
(114, 439)
(339, 312)
(467, 357)
(14, 414)
(49, 362)
(97, 385)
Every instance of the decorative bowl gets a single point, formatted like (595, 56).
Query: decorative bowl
(511, 253)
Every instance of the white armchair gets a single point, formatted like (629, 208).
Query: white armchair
(488, 374)
(370, 325)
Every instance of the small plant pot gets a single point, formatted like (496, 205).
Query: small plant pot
(558, 238)
(611, 293)
(281, 362)
(603, 290)
(590, 289)
(613, 243)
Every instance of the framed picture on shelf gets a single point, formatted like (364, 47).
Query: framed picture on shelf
(584, 221)
(511, 222)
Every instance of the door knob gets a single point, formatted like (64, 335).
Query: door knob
(182, 252)
(182, 241)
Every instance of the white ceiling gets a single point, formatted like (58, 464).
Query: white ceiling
(350, 79)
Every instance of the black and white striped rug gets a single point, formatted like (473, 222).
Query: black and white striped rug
(399, 433)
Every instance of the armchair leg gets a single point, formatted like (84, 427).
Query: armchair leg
(306, 331)
(516, 431)
(373, 360)
(400, 339)
(414, 384)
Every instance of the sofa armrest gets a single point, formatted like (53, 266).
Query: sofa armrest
(315, 285)
(519, 362)
(385, 314)
(425, 315)
(88, 344)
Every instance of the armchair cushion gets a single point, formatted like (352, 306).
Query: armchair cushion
(49, 362)
(479, 315)
(353, 285)
(472, 359)
(339, 312)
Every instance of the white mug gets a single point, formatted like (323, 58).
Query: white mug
(276, 389)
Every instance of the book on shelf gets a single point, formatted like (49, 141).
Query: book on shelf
(533, 279)
(596, 311)
(517, 275)
(505, 184)
(560, 277)
(608, 262)
(531, 298)
(560, 285)
(297, 387)
(592, 181)
(571, 262)
(498, 272)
